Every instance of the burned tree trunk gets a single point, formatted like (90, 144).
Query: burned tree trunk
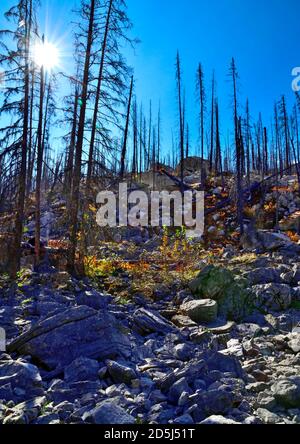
(98, 92)
(39, 168)
(79, 145)
(124, 149)
(180, 109)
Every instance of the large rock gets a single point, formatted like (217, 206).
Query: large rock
(215, 402)
(108, 412)
(219, 420)
(199, 368)
(294, 343)
(223, 363)
(211, 282)
(273, 241)
(8, 317)
(47, 221)
(120, 373)
(60, 391)
(220, 284)
(147, 322)
(205, 310)
(19, 381)
(28, 410)
(268, 417)
(177, 389)
(93, 299)
(82, 369)
(287, 392)
(234, 348)
(76, 332)
(263, 276)
(275, 297)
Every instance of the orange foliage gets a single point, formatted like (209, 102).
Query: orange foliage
(293, 236)
(58, 244)
(270, 207)
(283, 189)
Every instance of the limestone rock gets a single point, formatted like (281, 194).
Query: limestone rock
(275, 297)
(82, 369)
(287, 392)
(273, 241)
(108, 412)
(76, 332)
(219, 420)
(21, 380)
(205, 310)
(120, 373)
(219, 284)
(149, 321)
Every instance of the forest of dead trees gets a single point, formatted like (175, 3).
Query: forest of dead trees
(107, 130)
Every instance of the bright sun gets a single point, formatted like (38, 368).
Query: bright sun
(47, 55)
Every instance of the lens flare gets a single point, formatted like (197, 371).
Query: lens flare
(46, 55)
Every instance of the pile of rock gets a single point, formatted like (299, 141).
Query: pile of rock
(202, 357)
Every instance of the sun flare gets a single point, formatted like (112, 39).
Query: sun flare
(46, 55)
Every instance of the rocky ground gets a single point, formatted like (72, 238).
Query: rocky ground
(222, 349)
(161, 330)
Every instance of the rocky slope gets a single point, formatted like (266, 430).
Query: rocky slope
(223, 349)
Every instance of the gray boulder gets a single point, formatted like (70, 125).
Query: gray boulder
(287, 392)
(20, 381)
(177, 389)
(223, 363)
(268, 417)
(30, 409)
(93, 299)
(204, 310)
(82, 369)
(215, 402)
(147, 322)
(221, 285)
(120, 373)
(273, 241)
(219, 420)
(60, 391)
(294, 343)
(108, 412)
(183, 352)
(77, 332)
(184, 419)
(275, 297)
(263, 276)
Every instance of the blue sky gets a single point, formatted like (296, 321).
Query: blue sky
(262, 35)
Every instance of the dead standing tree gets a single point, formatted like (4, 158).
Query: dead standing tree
(238, 148)
(80, 139)
(16, 45)
(202, 100)
(180, 109)
(126, 130)
(39, 165)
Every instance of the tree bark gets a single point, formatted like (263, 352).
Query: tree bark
(40, 152)
(79, 145)
(98, 93)
(124, 149)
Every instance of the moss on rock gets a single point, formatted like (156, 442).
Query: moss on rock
(231, 293)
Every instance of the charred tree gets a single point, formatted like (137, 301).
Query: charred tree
(126, 130)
